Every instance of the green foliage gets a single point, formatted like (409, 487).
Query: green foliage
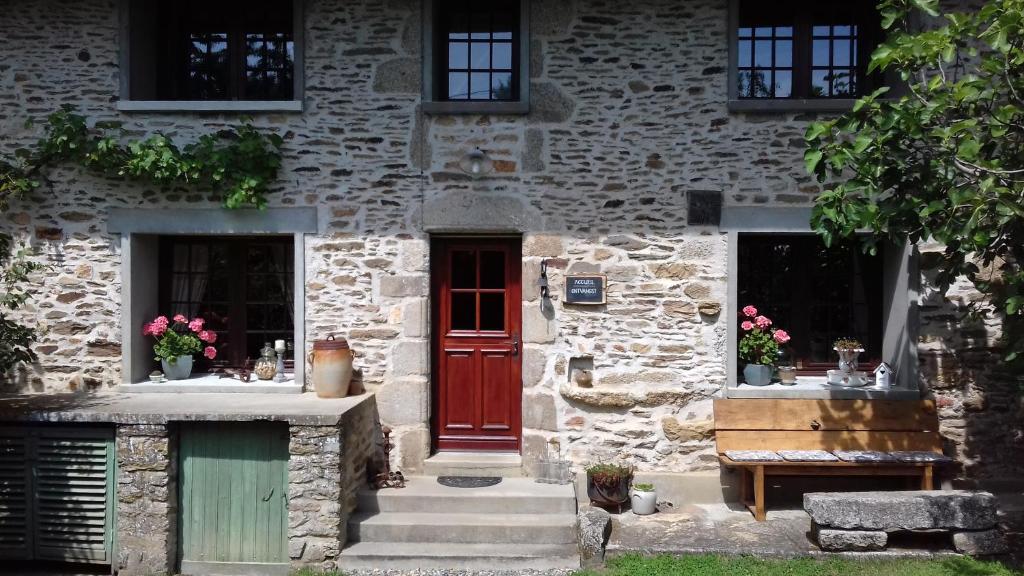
(643, 487)
(706, 565)
(758, 347)
(609, 475)
(945, 160)
(236, 164)
(16, 339)
(176, 342)
(848, 344)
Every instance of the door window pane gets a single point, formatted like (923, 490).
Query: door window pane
(463, 269)
(463, 311)
(492, 311)
(492, 269)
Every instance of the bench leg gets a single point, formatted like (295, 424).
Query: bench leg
(927, 478)
(759, 511)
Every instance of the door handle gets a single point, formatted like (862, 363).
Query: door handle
(515, 343)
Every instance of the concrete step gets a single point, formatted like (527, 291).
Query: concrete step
(511, 496)
(503, 464)
(448, 528)
(416, 555)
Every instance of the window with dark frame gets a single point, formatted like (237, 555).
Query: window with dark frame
(805, 49)
(243, 287)
(213, 50)
(477, 44)
(816, 294)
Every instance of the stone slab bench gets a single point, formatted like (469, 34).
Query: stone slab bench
(790, 437)
(862, 521)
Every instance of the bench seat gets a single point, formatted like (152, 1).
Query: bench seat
(782, 437)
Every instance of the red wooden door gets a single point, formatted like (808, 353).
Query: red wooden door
(477, 326)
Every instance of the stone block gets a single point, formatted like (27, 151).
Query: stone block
(549, 104)
(849, 540)
(535, 361)
(539, 412)
(980, 542)
(891, 511)
(401, 75)
(546, 245)
(402, 286)
(531, 274)
(538, 328)
(415, 317)
(410, 358)
(594, 529)
(403, 401)
(687, 431)
(413, 448)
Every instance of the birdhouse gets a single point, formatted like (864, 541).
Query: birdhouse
(883, 376)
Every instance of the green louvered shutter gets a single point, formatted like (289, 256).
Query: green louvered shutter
(73, 500)
(15, 511)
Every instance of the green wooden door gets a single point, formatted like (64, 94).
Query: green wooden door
(234, 506)
(57, 493)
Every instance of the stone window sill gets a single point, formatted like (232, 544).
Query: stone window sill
(815, 388)
(439, 107)
(214, 384)
(170, 106)
(795, 105)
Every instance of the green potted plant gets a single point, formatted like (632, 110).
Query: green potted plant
(643, 499)
(759, 346)
(608, 485)
(177, 341)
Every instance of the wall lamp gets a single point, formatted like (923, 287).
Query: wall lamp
(476, 163)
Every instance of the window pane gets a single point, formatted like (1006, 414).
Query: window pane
(763, 32)
(463, 311)
(821, 53)
(763, 53)
(761, 83)
(501, 86)
(842, 30)
(458, 85)
(743, 53)
(480, 86)
(458, 55)
(784, 31)
(841, 52)
(820, 83)
(783, 83)
(502, 56)
(492, 311)
(481, 55)
(745, 32)
(784, 53)
(492, 269)
(821, 30)
(842, 83)
(743, 86)
(463, 271)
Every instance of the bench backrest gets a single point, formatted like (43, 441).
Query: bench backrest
(791, 424)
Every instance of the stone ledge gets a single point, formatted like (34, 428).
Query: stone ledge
(296, 409)
(212, 384)
(897, 511)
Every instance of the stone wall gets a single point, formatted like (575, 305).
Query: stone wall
(326, 469)
(629, 115)
(147, 500)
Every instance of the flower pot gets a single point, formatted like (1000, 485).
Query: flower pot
(757, 374)
(644, 503)
(179, 368)
(609, 493)
(787, 375)
(848, 359)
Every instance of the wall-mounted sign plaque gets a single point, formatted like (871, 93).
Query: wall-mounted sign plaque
(585, 289)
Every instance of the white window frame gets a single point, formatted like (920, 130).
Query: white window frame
(127, 104)
(140, 231)
(901, 287)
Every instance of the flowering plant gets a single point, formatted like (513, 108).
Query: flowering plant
(180, 337)
(760, 344)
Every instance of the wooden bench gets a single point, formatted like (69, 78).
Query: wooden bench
(826, 425)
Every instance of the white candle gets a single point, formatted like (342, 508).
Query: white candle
(279, 345)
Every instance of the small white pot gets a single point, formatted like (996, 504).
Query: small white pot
(643, 503)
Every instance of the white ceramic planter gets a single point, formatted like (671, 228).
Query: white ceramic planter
(643, 503)
(757, 374)
(180, 369)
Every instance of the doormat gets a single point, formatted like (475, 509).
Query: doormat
(467, 481)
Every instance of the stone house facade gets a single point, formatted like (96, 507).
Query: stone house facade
(631, 122)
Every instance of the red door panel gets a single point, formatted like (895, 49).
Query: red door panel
(477, 315)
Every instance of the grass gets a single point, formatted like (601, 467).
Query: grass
(636, 565)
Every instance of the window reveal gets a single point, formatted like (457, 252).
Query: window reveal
(243, 288)
(817, 294)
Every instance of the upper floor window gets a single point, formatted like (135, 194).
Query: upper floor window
(212, 50)
(480, 56)
(803, 49)
(816, 294)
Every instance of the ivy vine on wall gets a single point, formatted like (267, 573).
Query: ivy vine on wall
(238, 164)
